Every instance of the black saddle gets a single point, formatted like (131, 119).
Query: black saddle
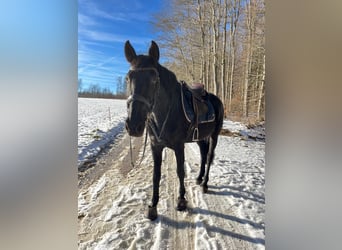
(196, 106)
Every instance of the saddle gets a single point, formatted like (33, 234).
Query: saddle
(196, 106)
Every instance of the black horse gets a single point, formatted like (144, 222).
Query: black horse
(155, 102)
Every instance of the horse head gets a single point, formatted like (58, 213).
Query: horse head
(143, 84)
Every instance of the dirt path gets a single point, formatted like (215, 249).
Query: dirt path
(112, 207)
(114, 153)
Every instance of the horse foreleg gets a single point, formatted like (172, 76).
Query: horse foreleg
(210, 158)
(157, 158)
(179, 151)
(204, 147)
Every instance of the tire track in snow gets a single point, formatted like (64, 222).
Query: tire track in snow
(179, 225)
(229, 196)
(207, 234)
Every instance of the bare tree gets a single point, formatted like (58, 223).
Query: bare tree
(224, 45)
(80, 85)
(220, 43)
(234, 17)
(120, 86)
(249, 40)
(261, 89)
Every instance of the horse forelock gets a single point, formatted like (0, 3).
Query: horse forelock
(143, 61)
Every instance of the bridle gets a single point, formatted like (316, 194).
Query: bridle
(136, 97)
(149, 105)
(140, 98)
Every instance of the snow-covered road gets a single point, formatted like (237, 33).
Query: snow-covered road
(112, 206)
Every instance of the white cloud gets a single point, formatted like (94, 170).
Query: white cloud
(119, 13)
(94, 66)
(100, 42)
(84, 20)
(100, 36)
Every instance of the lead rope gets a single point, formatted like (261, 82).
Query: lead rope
(143, 155)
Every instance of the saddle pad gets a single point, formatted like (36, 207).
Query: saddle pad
(206, 109)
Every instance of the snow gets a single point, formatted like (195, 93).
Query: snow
(238, 172)
(112, 210)
(99, 122)
(233, 126)
(257, 132)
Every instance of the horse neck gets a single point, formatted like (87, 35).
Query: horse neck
(168, 92)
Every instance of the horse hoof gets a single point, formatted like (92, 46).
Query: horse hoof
(199, 181)
(181, 204)
(205, 189)
(152, 213)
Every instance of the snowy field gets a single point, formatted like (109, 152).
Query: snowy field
(99, 122)
(111, 210)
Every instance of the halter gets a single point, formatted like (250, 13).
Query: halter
(150, 106)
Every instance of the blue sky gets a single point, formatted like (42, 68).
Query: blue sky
(103, 28)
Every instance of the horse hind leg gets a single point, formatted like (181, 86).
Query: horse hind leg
(210, 158)
(204, 148)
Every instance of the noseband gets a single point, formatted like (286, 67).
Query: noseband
(142, 99)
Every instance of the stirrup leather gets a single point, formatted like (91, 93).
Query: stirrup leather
(195, 135)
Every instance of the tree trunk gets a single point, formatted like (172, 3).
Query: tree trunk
(214, 43)
(201, 23)
(233, 27)
(208, 69)
(261, 89)
(224, 45)
(180, 48)
(248, 58)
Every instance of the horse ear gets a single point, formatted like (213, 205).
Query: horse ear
(154, 51)
(130, 52)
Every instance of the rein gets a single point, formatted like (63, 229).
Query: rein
(131, 150)
(154, 127)
(152, 124)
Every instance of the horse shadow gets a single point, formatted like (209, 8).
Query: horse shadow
(246, 195)
(212, 228)
(213, 190)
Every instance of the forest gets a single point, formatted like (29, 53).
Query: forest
(220, 43)
(96, 91)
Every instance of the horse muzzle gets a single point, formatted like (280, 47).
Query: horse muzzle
(136, 130)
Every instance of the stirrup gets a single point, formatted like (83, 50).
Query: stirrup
(195, 135)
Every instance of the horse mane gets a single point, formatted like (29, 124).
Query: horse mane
(167, 77)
